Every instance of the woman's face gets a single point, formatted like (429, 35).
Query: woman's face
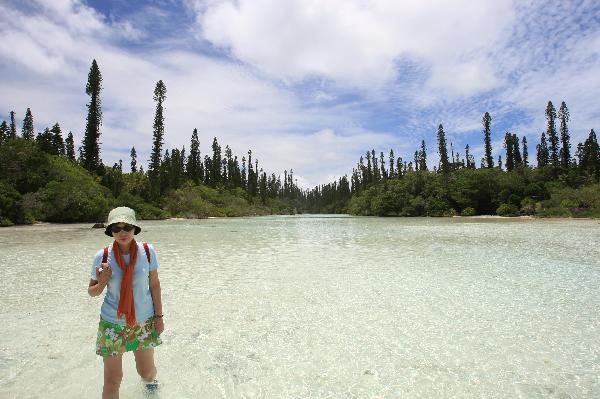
(123, 233)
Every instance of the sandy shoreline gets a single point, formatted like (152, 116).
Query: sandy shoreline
(475, 217)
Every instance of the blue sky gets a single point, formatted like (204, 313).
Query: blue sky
(306, 84)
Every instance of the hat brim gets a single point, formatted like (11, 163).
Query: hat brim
(108, 231)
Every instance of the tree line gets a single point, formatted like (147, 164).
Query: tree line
(169, 173)
(38, 172)
(383, 184)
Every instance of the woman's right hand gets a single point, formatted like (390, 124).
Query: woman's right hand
(103, 273)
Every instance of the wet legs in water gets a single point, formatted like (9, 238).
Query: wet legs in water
(144, 363)
(113, 371)
(113, 374)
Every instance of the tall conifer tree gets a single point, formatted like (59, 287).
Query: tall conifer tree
(13, 126)
(158, 128)
(469, 158)
(70, 147)
(443, 150)
(133, 154)
(44, 142)
(4, 132)
(551, 132)
(590, 156)
(565, 138)
(525, 152)
(487, 139)
(27, 130)
(543, 155)
(58, 142)
(91, 141)
(216, 163)
(382, 166)
(423, 156)
(194, 160)
(516, 151)
(510, 156)
(392, 159)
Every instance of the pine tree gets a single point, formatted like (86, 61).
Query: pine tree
(4, 132)
(565, 148)
(423, 156)
(244, 173)
(510, 156)
(58, 143)
(237, 177)
(216, 163)
(250, 182)
(551, 132)
(590, 156)
(517, 150)
(91, 141)
(392, 158)
(382, 166)
(194, 159)
(443, 150)
(133, 160)
(376, 175)
(369, 176)
(13, 126)
(27, 130)
(158, 127)
(70, 147)
(525, 152)
(487, 121)
(228, 167)
(543, 155)
(262, 189)
(469, 158)
(44, 142)
(176, 170)
(416, 160)
(206, 167)
(400, 168)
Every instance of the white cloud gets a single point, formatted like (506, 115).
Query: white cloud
(359, 43)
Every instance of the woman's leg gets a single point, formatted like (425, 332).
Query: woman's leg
(144, 363)
(113, 374)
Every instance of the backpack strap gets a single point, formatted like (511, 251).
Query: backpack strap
(105, 255)
(147, 251)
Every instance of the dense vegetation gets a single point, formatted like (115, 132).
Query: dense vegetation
(559, 186)
(41, 179)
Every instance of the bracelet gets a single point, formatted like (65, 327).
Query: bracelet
(159, 316)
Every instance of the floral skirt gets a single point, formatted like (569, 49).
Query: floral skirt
(114, 339)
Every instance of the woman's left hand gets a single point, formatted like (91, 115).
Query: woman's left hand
(159, 324)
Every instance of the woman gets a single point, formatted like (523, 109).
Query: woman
(131, 317)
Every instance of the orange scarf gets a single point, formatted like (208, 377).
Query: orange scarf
(126, 306)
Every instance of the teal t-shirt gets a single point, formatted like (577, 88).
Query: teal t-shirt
(142, 298)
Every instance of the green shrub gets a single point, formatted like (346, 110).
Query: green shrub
(528, 206)
(11, 210)
(554, 213)
(142, 209)
(468, 212)
(507, 210)
(72, 196)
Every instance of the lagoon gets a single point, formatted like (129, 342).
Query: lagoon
(320, 307)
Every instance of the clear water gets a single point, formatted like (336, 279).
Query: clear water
(320, 307)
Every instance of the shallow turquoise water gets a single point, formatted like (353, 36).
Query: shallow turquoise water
(320, 307)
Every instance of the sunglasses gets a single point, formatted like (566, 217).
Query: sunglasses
(116, 229)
